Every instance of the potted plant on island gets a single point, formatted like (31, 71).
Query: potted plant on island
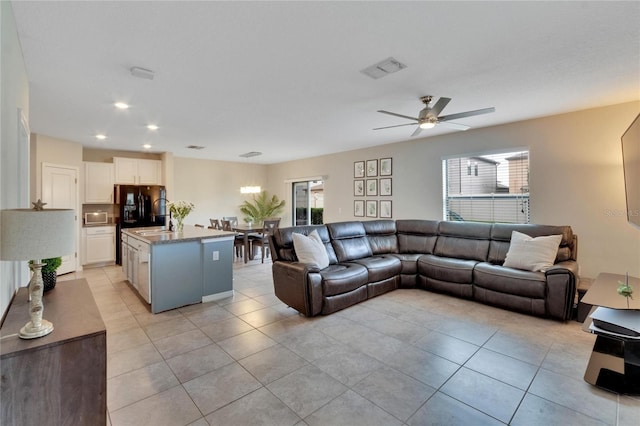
(261, 207)
(49, 274)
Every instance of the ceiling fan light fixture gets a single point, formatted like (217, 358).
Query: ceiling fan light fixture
(427, 125)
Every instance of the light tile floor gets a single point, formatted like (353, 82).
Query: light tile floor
(409, 357)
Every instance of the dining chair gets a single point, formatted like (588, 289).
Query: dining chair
(215, 224)
(238, 241)
(232, 219)
(262, 238)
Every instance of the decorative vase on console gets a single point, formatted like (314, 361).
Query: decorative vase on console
(179, 210)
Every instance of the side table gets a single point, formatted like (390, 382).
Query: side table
(614, 364)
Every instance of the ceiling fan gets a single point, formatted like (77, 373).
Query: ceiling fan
(428, 116)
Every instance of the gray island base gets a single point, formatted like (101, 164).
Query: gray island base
(170, 269)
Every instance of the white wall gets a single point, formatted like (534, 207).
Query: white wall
(14, 93)
(213, 186)
(576, 178)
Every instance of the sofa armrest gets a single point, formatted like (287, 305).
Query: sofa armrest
(293, 286)
(562, 282)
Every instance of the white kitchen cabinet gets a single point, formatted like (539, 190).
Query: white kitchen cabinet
(137, 171)
(98, 183)
(99, 244)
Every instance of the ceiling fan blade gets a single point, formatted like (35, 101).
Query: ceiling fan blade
(454, 125)
(416, 132)
(397, 125)
(399, 115)
(439, 106)
(466, 114)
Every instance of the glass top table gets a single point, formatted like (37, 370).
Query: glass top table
(604, 292)
(614, 364)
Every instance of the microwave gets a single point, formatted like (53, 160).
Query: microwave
(96, 218)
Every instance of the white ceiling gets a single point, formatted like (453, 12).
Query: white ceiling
(284, 78)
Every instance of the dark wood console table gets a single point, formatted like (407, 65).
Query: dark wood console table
(61, 378)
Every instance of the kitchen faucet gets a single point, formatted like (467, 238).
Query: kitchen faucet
(153, 212)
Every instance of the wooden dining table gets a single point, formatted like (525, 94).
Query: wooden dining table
(245, 230)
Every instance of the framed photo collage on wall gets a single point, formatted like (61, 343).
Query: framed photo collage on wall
(372, 180)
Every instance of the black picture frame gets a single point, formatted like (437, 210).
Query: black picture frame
(385, 209)
(372, 187)
(385, 187)
(372, 208)
(386, 166)
(372, 168)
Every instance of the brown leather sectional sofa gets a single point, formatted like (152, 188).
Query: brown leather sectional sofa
(464, 259)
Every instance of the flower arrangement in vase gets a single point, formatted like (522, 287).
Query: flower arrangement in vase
(179, 210)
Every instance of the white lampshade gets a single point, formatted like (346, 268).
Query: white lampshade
(36, 234)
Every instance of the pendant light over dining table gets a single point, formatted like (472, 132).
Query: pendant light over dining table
(251, 188)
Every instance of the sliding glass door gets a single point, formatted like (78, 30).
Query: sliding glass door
(308, 202)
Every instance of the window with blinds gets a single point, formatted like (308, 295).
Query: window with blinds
(487, 187)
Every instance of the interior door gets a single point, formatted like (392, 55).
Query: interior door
(60, 191)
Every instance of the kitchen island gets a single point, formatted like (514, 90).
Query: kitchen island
(173, 269)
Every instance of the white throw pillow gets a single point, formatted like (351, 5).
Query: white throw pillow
(532, 254)
(310, 249)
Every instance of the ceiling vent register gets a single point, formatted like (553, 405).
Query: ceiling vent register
(382, 68)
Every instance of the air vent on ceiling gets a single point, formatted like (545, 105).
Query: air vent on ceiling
(382, 68)
(195, 147)
(142, 73)
(250, 154)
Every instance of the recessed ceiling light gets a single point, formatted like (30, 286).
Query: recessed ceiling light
(101, 136)
(152, 127)
(146, 146)
(121, 105)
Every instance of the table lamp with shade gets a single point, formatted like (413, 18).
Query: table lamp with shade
(36, 234)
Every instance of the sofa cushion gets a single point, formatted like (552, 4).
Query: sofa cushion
(342, 278)
(510, 281)
(380, 267)
(283, 242)
(409, 262)
(381, 235)
(532, 254)
(501, 238)
(310, 249)
(463, 240)
(446, 268)
(349, 240)
(417, 236)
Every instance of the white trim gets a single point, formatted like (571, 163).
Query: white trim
(216, 240)
(488, 152)
(304, 179)
(217, 296)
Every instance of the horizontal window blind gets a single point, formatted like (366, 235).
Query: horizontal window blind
(487, 188)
